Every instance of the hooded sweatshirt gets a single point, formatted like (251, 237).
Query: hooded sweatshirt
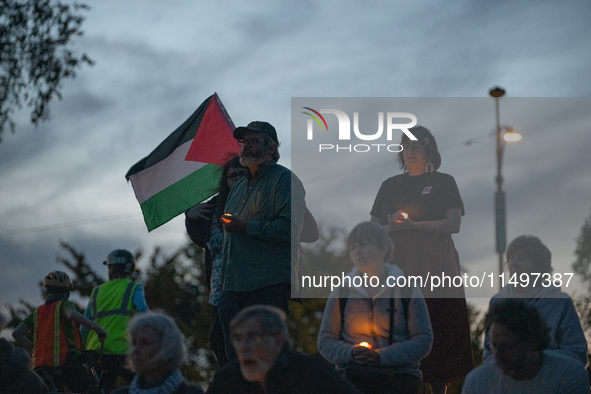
(566, 335)
(367, 319)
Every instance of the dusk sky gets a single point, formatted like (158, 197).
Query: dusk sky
(157, 61)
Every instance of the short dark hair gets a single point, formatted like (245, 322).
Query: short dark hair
(534, 250)
(425, 137)
(521, 319)
(372, 233)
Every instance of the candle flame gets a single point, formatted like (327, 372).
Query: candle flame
(365, 344)
(404, 214)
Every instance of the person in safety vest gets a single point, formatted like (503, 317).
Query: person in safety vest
(56, 342)
(112, 305)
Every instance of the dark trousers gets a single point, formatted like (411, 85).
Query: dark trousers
(400, 383)
(111, 366)
(71, 374)
(216, 338)
(232, 302)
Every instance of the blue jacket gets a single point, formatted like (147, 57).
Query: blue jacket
(272, 204)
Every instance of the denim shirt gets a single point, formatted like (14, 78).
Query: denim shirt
(272, 204)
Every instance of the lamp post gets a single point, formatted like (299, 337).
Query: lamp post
(500, 213)
(503, 134)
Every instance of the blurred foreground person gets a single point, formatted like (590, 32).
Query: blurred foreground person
(55, 341)
(530, 267)
(519, 337)
(377, 335)
(156, 353)
(15, 369)
(267, 365)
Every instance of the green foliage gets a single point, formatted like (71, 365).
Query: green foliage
(173, 283)
(582, 267)
(476, 319)
(327, 256)
(304, 322)
(35, 55)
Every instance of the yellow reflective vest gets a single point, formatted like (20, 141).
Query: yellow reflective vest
(111, 306)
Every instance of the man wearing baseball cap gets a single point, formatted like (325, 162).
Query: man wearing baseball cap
(264, 214)
(112, 305)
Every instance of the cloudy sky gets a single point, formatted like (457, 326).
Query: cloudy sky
(157, 61)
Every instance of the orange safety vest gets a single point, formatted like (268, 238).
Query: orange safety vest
(51, 344)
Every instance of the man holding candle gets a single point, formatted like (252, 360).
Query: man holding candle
(265, 214)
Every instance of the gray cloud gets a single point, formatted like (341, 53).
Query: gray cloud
(157, 62)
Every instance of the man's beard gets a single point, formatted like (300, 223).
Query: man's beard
(253, 159)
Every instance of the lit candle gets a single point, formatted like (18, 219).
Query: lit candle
(226, 220)
(365, 344)
(400, 214)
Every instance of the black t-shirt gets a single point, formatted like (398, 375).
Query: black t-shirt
(424, 197)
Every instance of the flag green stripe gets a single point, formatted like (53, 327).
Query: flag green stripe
(180, 196)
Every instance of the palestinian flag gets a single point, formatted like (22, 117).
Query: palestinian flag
(184, 169)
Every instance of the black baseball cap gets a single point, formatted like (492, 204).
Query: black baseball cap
(261, 127)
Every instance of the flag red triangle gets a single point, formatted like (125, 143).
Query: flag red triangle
(213, 142)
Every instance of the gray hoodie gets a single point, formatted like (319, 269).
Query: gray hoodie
(368, 320)
(566, 335)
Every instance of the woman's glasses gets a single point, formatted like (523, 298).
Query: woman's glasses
(236, 176)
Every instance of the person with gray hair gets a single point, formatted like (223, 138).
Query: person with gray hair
(156, 353)
(266, 364)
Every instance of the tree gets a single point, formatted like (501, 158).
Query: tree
(35, 55)
(582, 267)
(174, 283)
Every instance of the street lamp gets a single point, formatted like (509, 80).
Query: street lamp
(503, 134)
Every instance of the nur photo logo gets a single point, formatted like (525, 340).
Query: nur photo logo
(392, 120)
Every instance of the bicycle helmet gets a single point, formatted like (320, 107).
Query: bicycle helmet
(122, 260)
(57, 279)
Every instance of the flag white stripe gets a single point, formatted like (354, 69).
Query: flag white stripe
(163, 174)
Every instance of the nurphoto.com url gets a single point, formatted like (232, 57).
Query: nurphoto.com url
(435, 281)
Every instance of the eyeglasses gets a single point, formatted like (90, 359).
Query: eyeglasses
(236, 176)
(413, 146)
(250, 142)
